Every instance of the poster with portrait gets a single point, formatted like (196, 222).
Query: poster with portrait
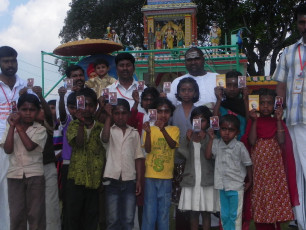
(196, 125)
(81, 102)
(278, 102)
(167, 87)
(30, 83)
(214, 122)
(220, 80)
(254, 102)
(241, 81)
(113, 98)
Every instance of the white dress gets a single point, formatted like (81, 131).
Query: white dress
(199, 198)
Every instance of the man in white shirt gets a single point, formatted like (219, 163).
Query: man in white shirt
(194, 61)
(10, 85)
(126, 84)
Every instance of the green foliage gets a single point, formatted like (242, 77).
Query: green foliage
(270, 23)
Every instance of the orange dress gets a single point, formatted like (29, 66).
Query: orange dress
(270, 197)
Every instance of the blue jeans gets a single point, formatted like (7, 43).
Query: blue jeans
(157, 203)
(120, 201)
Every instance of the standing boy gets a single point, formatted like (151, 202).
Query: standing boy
(232, 165)
(86, 165)
(123, 167)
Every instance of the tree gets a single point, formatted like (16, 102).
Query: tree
(90, 18)
(270, 23)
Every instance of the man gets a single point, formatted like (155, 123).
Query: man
(194, 61)
(76, 73)
(290, 74)
(10, 85)
(126, 84)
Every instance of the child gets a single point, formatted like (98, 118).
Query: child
(65, 120)
(24, 143)
(274, 193)
(188, 93)
(124, 155)
(233, 163)
(160, 143)
(86, 165)
(45, 118)
(136, 120)
(102, 80)
(198, 193)
(236, 101)
(148, 98)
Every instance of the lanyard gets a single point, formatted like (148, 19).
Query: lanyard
(6, 96)
(122, 94)
(302, 65)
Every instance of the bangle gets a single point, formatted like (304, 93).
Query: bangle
(280, 130)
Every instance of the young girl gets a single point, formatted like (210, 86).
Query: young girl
(160, 143)
(236, 101)
(274, 193)
(198, 193)
(232, 165)
(25, 142)
(187, 93)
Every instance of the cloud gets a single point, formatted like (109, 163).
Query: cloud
(4, 5)
(34, 27)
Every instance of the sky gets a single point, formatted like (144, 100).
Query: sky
(32, 26)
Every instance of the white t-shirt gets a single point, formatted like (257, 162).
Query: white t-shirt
(207, 84)
(125, 93)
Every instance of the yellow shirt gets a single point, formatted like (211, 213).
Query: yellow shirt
(97, 84)
(160, 161)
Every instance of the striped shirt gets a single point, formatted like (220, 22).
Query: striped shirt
(287, 71)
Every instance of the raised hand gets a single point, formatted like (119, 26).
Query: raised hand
(135, 96)
(219, 92)
(279, 113)
(146, 127)
(62, 91)
(253, 115)
(38, 91)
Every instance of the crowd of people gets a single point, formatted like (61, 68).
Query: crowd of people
(102, 157)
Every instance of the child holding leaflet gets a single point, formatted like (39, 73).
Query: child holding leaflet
(85, 168)
(198, 193)
(160, 143)
(123, 166)
(274, 190)
(233, 163)
(24, 142)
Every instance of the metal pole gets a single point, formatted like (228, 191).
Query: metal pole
(42, 74)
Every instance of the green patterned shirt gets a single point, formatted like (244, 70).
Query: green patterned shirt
(86, 162)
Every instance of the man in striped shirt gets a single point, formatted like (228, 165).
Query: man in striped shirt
(290, 74)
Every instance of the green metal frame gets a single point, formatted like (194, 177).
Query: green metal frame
(175, 57)
(67, 59)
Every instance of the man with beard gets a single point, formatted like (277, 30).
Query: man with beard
(76, 73)
(10, 85)
(194, 61)
(290, 74)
